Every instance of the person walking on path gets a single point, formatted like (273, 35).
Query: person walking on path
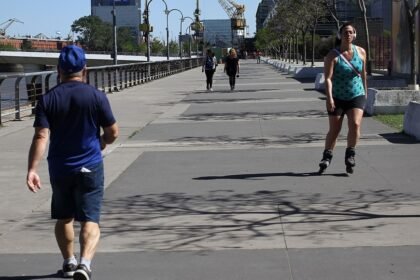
(71, 116)
(209, 67)
(346, 92)
(232, 67)
(258, 57)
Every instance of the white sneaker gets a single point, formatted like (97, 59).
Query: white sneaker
(211, 89)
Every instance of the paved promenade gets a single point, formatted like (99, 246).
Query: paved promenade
(224, 185)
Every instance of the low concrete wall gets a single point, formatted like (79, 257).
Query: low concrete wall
(373, 82)
(297, 70)
(412, 120)
(307, 72)
(320, 82)
(389, 101)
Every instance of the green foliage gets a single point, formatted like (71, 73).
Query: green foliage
(142, 48)
(263, 38)
(126, 40)
(156, 46)
(27, 45)
(7, 47)
(93, 33)
(173, 47)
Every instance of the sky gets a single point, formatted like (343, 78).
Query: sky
(54, 17)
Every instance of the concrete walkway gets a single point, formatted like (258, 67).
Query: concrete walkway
(224, 185)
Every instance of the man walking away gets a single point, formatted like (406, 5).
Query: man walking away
(71, 116)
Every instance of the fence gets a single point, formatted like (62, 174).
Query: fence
(19, 92)
(381, 52)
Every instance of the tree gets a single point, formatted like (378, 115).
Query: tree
(362, 8)
(173, 47)
(317, 11)
(126, 40)
(93, 33)
(262, 38)
(331, 5)
(156, 46)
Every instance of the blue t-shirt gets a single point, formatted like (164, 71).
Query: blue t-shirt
(73, 112)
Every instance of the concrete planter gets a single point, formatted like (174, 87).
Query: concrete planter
(412, 120)
(389, 101)
(307, 72)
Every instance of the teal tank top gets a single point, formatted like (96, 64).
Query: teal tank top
(346, 84)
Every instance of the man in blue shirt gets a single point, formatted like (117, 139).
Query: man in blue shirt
(71, 116)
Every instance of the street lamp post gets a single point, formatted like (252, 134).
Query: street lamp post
(167, 12)
(114, 34)
(147, 23)
(189, 38)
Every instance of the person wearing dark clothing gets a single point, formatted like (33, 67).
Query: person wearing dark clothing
(232, 67)
(209, 67)
(71, 116)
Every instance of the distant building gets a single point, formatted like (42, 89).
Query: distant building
(382, 9)
(263, 11)
(218, 32)
(128, 13)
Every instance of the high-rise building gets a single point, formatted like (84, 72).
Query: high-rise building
(128, 13)
(218, 33)
(263, 11)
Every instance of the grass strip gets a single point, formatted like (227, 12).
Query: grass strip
(393, 120)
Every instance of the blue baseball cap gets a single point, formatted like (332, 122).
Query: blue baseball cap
(72, 59)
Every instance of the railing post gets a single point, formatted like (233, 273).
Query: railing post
(17, 98)
(1, 81)
(121, 78)
(47, 82)
(35, 91)
(115, 79)
(103, 79)
(95, 77)
(109, 82)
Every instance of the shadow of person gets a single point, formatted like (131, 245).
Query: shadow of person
(56, 275)
(260, 176)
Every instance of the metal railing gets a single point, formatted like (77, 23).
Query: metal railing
(19, 92)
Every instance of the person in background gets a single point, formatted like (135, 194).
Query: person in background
(258, 57)
(346, 91)
(209, 67)
(232, 67)
(71, 116)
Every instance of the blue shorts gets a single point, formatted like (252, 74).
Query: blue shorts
(79, 195)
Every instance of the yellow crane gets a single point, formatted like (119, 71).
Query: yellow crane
(6, 24)
(235, 12)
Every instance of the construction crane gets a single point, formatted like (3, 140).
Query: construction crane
(235, 12)
(6, 24)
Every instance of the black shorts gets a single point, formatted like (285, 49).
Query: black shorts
(342, 106)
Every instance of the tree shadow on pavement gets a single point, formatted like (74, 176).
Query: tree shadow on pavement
(241, 115)
(226, 219)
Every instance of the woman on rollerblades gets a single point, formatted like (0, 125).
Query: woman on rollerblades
(346, 92)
